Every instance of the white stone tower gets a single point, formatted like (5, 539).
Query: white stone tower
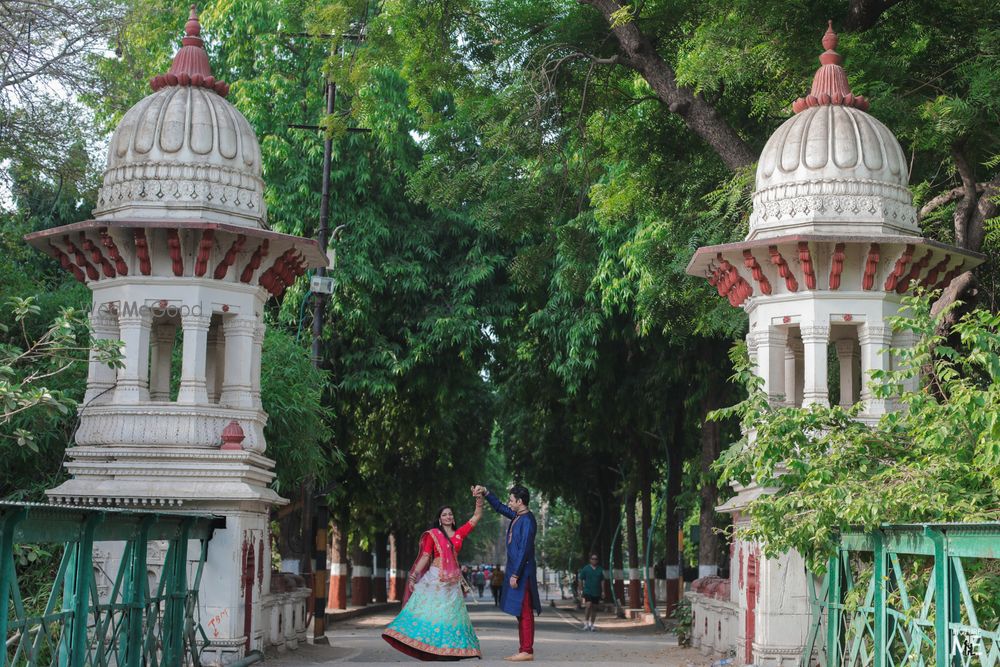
(832, 247)
(179, 259)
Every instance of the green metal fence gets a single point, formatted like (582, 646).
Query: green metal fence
(141, 618)
(921, 595)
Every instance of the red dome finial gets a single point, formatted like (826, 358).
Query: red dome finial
(829, 39)
(830, 84)
(190, 66)
(193, 27)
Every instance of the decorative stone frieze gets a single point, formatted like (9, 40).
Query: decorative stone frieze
(167, 425)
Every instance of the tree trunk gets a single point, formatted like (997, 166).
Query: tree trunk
(634, 582)
(675, 470)
(397, 578)
(379, 589)
(863, 14)
(711, 435)
(291, 545)
(361, 575)
(337, 596)
(649, 578)
(701, 117)
(617, 562)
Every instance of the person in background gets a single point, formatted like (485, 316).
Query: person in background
(496, 583)
(479, 581)
(590, 578)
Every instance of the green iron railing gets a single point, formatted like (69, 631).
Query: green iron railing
(142, 620)
(921, 595)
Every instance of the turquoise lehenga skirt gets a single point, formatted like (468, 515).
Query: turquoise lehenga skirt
(434, 624)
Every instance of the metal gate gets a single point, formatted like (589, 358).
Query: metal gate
(923, 595)
(140, 622)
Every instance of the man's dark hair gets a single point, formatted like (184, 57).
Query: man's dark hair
(520, 493)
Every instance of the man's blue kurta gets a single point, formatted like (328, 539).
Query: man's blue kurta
(520, 559)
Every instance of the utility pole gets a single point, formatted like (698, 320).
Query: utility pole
(315, 512)
(319, 305)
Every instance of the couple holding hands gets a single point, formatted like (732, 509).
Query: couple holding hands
(434, 623)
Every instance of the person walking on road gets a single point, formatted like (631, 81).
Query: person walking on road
(496, 584)
(591, 577)
(479, 581)
(519, 596)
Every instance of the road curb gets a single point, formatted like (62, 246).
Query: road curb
(336, 615)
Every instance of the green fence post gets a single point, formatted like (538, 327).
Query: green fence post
(8, 575)
(173, 616)
(942, 605)
(833, 611)
(79, 603)
(135, 596)
(878, 603)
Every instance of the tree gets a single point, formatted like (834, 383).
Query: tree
(47, 51)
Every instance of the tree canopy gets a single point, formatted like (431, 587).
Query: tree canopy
(511, 232)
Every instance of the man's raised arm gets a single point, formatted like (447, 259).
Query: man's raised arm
(495, 503)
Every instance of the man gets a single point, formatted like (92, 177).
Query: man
(519, 596)
(590, 578)
(496, 583)
(479, 580)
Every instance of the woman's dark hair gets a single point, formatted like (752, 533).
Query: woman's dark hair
(520, 493)
(436, 521)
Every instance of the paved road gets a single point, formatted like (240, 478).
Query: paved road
(558, 640)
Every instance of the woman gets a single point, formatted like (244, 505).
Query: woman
(434, 623)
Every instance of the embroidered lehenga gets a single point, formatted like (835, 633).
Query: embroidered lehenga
(434, 623)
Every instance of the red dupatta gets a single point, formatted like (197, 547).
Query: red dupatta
(450, 571)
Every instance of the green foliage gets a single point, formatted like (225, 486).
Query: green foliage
(28, 365)
(298, 430)
(560, 542)
(684, 618)
(935, 459)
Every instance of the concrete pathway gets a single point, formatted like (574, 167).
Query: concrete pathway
(559, 640)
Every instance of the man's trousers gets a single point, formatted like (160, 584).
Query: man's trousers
(526, 625)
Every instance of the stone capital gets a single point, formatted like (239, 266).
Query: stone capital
(869, 334)
(846, 348)
(239, 326)
(191, 322)
(136, 320)
(815, 333)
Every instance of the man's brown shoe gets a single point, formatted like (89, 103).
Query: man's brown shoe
(520, 657)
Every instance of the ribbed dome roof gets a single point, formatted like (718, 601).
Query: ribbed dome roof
(184, 152)
(832, 167)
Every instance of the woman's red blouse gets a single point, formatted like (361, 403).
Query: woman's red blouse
(429, 546)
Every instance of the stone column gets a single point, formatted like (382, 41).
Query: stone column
(793, 372)
(101, 377)
(771, 362)
(215, 363)
(133, 378)
(847, 354)
(258, 347)
(752, 349)
(238, 384)
(161, 351)
(194, 386)
(815, 338)
(902, 340)
(876, 340)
